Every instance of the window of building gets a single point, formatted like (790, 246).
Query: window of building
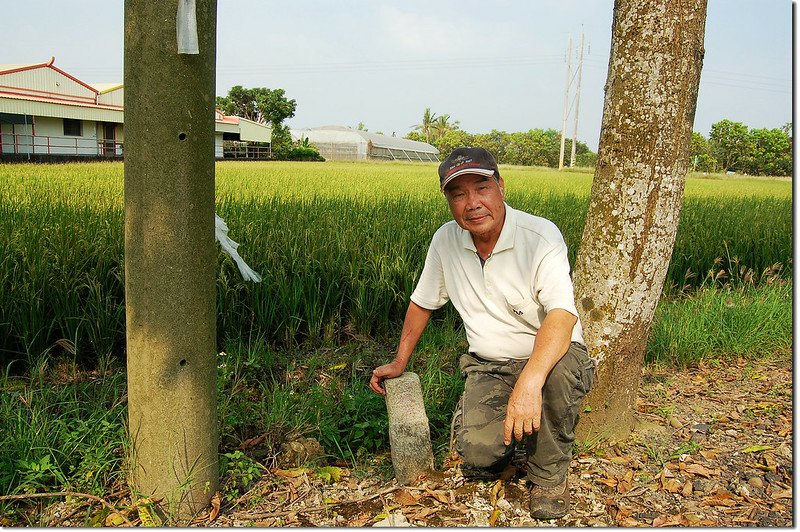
(73, 128)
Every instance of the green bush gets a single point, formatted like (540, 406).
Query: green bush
(303, 153)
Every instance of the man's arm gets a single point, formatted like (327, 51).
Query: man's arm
(524, 411)
(414, 324)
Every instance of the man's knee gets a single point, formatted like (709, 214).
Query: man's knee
(482, 450)
(571, 376)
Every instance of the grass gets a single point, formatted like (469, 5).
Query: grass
(63, 429)
(719, 323)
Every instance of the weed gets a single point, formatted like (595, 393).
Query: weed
(655, 453)
(588, 446)
(666, 411)
(239, 472)
(689, 447)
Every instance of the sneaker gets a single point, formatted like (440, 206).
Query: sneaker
(549, 503)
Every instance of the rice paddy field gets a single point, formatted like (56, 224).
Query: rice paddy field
(339, 245)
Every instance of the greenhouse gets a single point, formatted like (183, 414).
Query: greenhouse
(339, 143)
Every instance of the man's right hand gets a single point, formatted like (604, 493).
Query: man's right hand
(387, 371)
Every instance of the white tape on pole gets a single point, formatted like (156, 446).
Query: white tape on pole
(186, 27)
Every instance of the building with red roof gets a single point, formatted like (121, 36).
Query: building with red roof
(45, 111)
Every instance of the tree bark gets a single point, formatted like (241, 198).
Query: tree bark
(170, 255)
(637, 194)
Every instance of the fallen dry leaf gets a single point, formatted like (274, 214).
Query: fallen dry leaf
(215, 504)
(630, 522)
(670, 520)
(439, 495)
(360, 520)
(672, 485)
(609, 481)
(782, 494)
(710, 454)
(422, 513)
(252, 442)
(497, 492)
(405, 498)
(493, 518)
(698, 469)
(626, 482)
(724, 498)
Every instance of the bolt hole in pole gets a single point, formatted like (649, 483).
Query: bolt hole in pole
(183, 362)
(182, 136)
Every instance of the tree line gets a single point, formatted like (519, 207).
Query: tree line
(733, 147)
(730, 146)
(535, 147)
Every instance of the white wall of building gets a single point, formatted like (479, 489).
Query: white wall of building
(15, 138)
(50, 138)
(218, 146)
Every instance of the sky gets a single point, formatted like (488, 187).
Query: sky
(498, 64)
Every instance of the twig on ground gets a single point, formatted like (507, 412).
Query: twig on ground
(635, 492)
(315, 508)
(65, 494)
(68, 515)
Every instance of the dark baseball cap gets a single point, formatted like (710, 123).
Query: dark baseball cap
(471, 160)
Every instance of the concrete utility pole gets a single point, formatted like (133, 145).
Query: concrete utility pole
(577, 106)
(170, 253)
(566, 102)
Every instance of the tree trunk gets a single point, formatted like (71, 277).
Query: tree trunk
(170, 256)
(637, 193)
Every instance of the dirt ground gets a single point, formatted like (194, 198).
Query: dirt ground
(713, 448)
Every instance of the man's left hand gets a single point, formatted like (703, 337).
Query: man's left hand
(524, 411)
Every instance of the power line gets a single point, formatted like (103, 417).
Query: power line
(567, 83)
(568, 106)
(392, 65)
(577, 107)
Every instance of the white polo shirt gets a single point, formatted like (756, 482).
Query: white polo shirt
(503, 302)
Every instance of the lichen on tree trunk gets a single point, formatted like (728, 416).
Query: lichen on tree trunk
(637, 193)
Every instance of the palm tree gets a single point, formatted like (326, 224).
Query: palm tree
(442, 125)
(426, 126)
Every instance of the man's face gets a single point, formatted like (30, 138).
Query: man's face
(476, 202)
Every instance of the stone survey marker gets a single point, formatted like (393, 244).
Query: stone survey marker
(409, 431)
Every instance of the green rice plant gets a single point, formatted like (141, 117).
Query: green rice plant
(340, 246)
(758, 231)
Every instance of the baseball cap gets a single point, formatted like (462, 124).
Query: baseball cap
(470, 160)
